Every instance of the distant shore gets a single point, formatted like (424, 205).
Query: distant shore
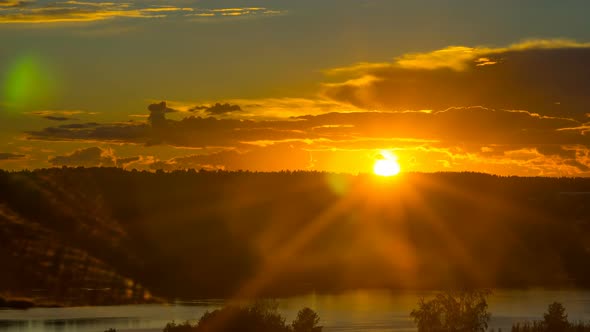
(23, 303)
(16, 303)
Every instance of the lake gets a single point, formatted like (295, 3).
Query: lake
(352, 311)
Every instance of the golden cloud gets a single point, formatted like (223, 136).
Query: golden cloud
(70, 14)
(457, 57)
(549, 77)
(60, 112)
(12, 3)
(86, 11)
(235, 12)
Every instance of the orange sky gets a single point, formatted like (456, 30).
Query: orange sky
(520, 107)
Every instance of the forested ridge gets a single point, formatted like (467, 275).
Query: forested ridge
(106, 235)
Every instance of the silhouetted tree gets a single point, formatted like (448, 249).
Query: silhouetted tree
(182, 327)
(260, 317)
(555, 319)
(453, 311)
(307, 321)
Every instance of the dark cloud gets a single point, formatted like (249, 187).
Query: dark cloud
(11, 156)
(96, 157)
(546, 77)
(217, 109)
(471, 125)
(128, 132)
(158, 112)
(160, 108)
(578, 165)
(102, 157)
(198, 108)
(57, 118)
(458, 124)
(81, 125)
(87, 157)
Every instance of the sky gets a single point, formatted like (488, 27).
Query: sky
(457, 85)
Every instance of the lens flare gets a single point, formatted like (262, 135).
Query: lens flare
(28, 82)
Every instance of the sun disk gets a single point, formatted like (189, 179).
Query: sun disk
(386, 167)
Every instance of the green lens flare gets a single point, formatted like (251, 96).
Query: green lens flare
(28, 83)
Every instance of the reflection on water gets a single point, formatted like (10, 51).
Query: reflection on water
(354, 311)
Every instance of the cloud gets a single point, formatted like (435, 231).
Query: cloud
(126, 162)
(520, 110)
(458, 58)
(71, 12)
(218, 13)
(30, 12)
(473, 125)
(93, 157)
(459, 137)
(158, 111)
(87, 157)
(217, 109)
(59, 115)
(101, 157)
(269, 108)
(60, 112)
(549, 77)
(126, 132)
(12, 3)
(57, 118)
(11, 156)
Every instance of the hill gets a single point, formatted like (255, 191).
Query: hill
(106, 235)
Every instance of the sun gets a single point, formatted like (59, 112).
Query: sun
(386, 165)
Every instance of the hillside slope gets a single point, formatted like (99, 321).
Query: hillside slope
(105, 235)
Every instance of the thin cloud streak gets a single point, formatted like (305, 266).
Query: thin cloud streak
(21, 12)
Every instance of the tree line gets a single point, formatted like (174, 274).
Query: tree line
(448, 311)
(467, 311)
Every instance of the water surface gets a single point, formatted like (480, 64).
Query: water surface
(354, 311)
